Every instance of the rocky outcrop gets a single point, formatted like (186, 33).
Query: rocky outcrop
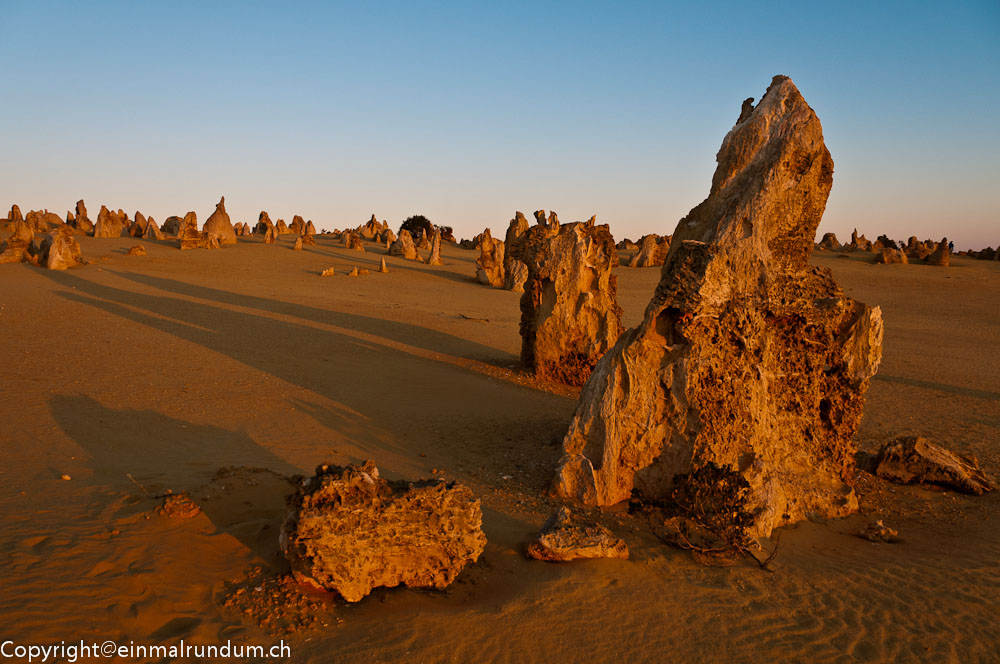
(310, 228)
(627, 245)
(60, 250)
(152, 231)
(435, 256)
(883, 242)
(941, 255)
(81, 221)
(388, 237)
(188, 235)
(889, 255)
(349, 530)
(307, 240)
(515, 271)
(563, 538)
(489, 265)
(298, 244)
(829, 242)
(110, 224)
(138, 226)
(270, 235)
(382, 268)
(372, 229)
(916, 460)
(263, 223)
(403, 246)
(280, 227)
(298, 225)
(136, 250)
(652, 251)
(218, 227)
(748, 358)
(172, 225)
(352, 241)
(859, 242)
(569, 311)
(19, 245)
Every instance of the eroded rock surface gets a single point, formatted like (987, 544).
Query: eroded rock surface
(515, 271)
(349, 530)
(569, 311)
(916, 460)
(563, 538)
(60, 250)
(489, 265)
(435, 256)
(218, 226)
(747, 356)
(403, 246)
(652, 251)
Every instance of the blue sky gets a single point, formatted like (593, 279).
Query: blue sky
(466, 112)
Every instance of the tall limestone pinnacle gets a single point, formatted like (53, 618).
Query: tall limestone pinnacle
(747, 356)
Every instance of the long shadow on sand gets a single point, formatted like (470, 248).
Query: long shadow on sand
(941, 387)
(160, 453)
(405, 333)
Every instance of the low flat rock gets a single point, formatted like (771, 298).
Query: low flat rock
(349, 530)
(563, 538)
(916, 460)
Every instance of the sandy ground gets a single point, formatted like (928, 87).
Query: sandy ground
(220, 372)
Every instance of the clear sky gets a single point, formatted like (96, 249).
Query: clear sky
(466, 112)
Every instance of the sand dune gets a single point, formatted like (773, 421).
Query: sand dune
(170, 367)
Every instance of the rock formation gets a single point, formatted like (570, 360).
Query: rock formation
(829, 242)
(349, 530)
(489, 265)
(912, 459)
(883, 242)
(270, 235)
(328, 272)
(152, 231)
(263, 223)
(298, 244)
(352, 241)
(19, 245)
(423, 242)
(515, 271)
(569, 313)
(188, 235)
(110, 224)
(81, 221)
(172, 225)
(652, 251)
(435, 256)
(60, 250)
(280, 227)
(218, 226)
(564, 539)
(859, 242)
(403, 246)
(298, 225)
(941, 255)
(138, 227)
(627, 245)
(382, 268)
(136, 250)
(372, 229)
(888, 255)
(310, 228)
(307, 240)
(748, 358)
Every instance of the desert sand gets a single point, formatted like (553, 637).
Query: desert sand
(221, 373)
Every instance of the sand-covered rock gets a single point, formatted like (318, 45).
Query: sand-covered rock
(878, 532)
(569, 312)
(136, 250)
(489, 265)
(564, 538)
(60, 250)
(652, 251)
(218, 226)
(403, 246)
(916, 460)
(349, 530)
(747, 358)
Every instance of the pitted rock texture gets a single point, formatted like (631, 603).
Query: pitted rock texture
(515, 271)
(349, 530)
(564, 538)
(263, 223)
(489, 265)
(916, 460)
(60, 250)
(747, 357)
(218, 226)
(829, 242)
(569, 311)
(110, 224)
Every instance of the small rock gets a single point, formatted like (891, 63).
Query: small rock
(328, 272)
(912, 459)
(878, 532)
(178, 506)
(562, 539)
(65, 477)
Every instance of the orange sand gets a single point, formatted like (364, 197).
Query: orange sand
(171, 366)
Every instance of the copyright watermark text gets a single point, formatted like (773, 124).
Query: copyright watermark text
(81, 650)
